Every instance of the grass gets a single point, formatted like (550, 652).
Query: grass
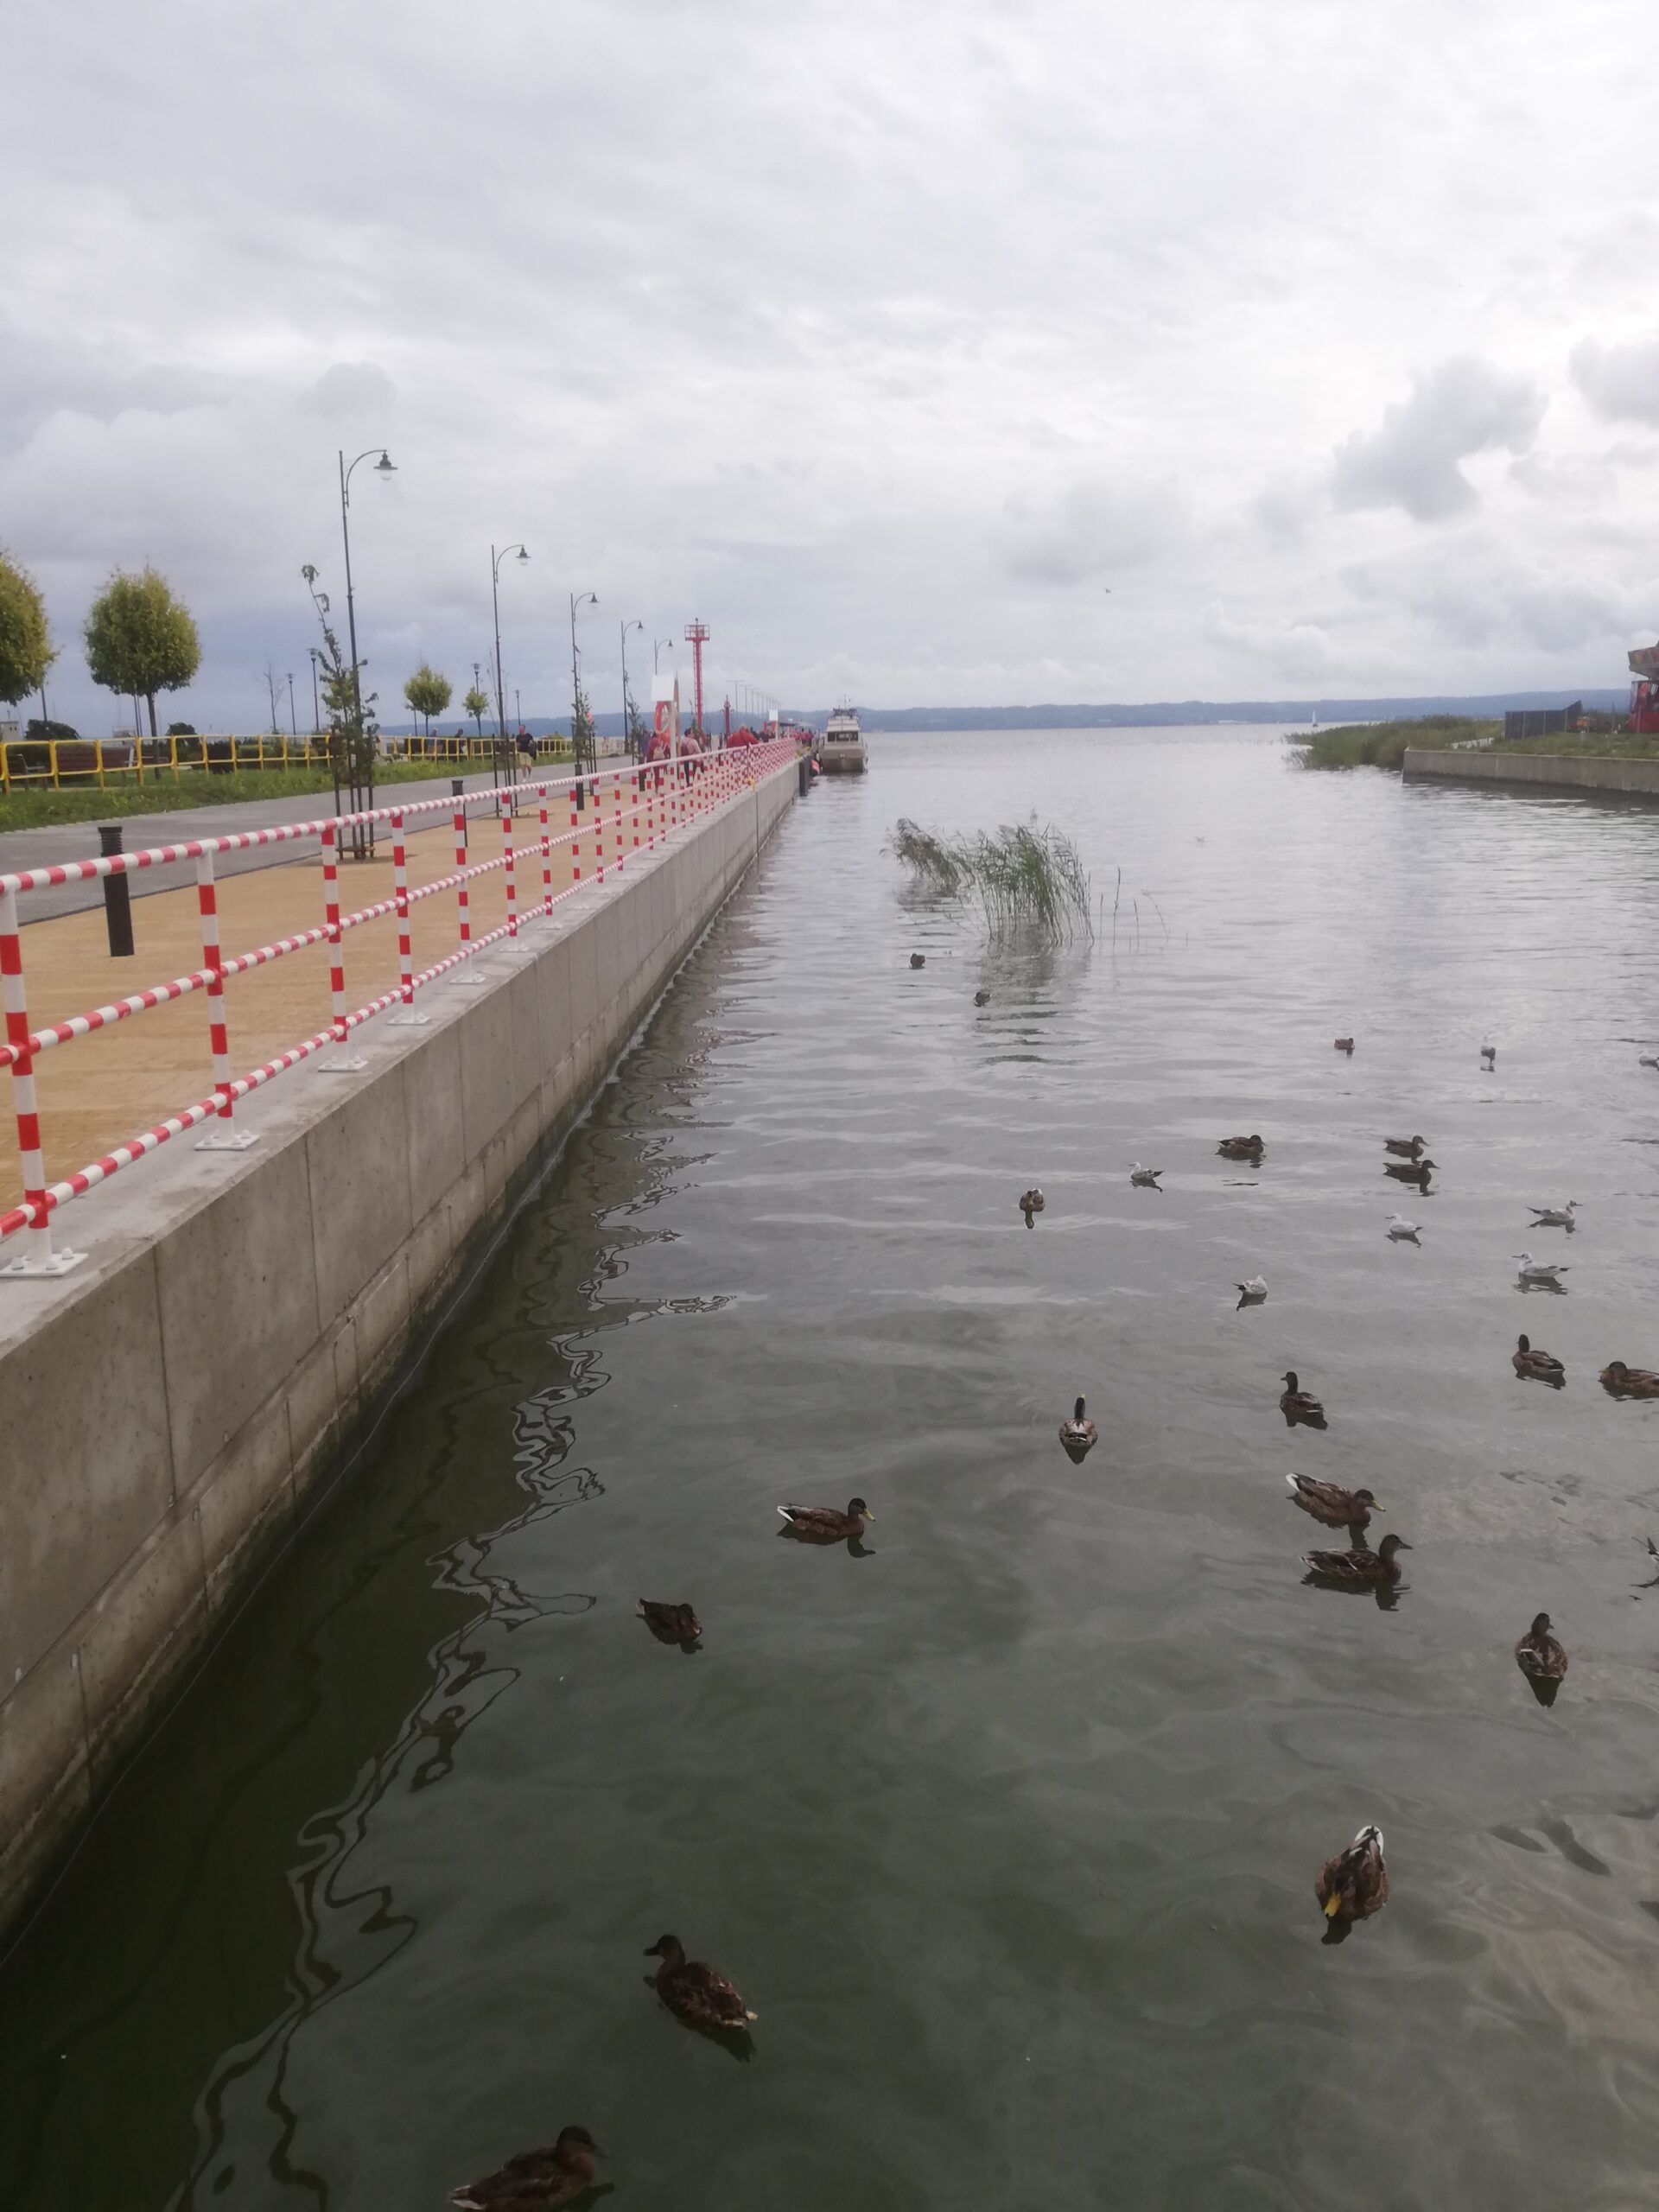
(36, 807)
(1024, 878)
(1382, 745)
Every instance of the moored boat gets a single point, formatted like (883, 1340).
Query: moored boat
(843, 751)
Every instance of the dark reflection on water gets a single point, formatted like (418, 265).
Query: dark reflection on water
(1009, 1833)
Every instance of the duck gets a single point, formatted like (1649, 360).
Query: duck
(1355, 1884)
(1648, 1060)
(1241, 1148)
(1410, 1171)
(1293, 1399)
(1541, 1657)
(1329, 1503)
(536, 2181)
(823, 1524)
(1078, 1435)
(1624, 1382)
(982, 998)
(1144, 1179)
(1254, 1291)
(1488, 1054)
(1555, 1216)
(1031, 1201)
(1402, 1231)
(1406, 1147)
(918, 960)
(668, 1624)
(695, 1992)
(1344, 1045)
(1531, 1270)
(1361, 1568)
(1536, 1366)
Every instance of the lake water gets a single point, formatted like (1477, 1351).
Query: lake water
(1008, 1828)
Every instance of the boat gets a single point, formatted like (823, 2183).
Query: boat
(843, 751)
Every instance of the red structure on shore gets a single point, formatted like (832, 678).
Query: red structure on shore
(1644, 692)
(696, 635)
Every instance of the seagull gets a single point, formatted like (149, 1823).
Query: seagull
(1254, 1291)
(1402, 1231)
(1533, 1270)
(1555, 1216)
(1488, 1054)
(1146, 1178)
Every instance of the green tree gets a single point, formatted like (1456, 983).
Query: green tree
(584, 742)
(353, 733)
(141, 639)
(428, 693)
(476, 704)
(26, 649)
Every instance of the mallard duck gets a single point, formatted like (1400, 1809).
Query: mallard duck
(1545, 1271)
(1536, 1366)
(1293, 1398)
(1344, 1045)
(1078, 1435)
(1144, 1179)
(1629, 1381)
(1355, 1884)
(1555, 1216)
(1402, 1231)
(1031, 1201)
(1538, 1654)
(823, 1524)
(1406, 1147)
(1648, 1060)
(982, 998)
(536, 2181)
(695, 1992)
(1329, 1503)
(1488, 1054)
(918, 960)
(670, 1623)
(1406, 1171)
(1359, 1569)
(1252, 1292)
(1241, 1148)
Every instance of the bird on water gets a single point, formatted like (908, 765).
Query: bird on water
(1078, 1435)
(1253, 1292)
(1250, 1148)
(1144, 1179)
(670, 1623)
(695, 1992)
(1622, 1382)
(1300, 1404)
(536, 2181)
(1355, 1884)
(1406, 1147)
(1402, 1231)
(1535, 1366)
(1031, 1202)
(824, 1524)
(982, 998)
(1488, 1054)
(1555, 1216)
(1345, 1045)
(1330, 1503)
(1540, 1655)
(1361, 1568)
(1539, 1271)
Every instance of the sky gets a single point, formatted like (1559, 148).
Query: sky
(979, 353)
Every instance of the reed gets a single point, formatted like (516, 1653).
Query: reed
(1382, 745)
(1024, 878)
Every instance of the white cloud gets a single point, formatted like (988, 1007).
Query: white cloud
(1090, 530)
(1620, 382)
(351, 390)
(1462, 407)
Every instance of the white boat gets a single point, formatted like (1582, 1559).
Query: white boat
(843, 751)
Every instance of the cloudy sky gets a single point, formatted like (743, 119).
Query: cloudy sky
(883, 336)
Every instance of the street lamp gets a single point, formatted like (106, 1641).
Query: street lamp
(579, 751)
(293, 725)
(496, 559)
(628, 704)
(656, 645)
(316, 703)
(362, 793)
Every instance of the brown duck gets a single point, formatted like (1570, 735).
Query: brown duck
(918, 960)
(982, 998)
(1359, 1569)
(1536, 1366)
(695, 1992)
(1344, 1045)
(1078, 1436)
(1297, 1403)
(1355, 1884)
(1031, 1201)
(823, 1524)
(1624, 1382)
(1540, 1655)
(1241, 1148)
(670, 1623)
(1329, 1503)
(1406, 1147)
(536, 2181)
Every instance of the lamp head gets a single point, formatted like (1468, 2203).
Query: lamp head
(523, 556)
(385, 465)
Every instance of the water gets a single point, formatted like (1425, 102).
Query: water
(1008, 1828)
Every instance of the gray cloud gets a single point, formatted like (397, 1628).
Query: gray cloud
(1091, 530)
(1462, 407)
(349, 391)
(1620, 382)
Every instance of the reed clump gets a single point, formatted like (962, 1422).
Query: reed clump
(1382, 745)
(1024, 878)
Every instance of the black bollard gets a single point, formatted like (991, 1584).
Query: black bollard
(117, 895)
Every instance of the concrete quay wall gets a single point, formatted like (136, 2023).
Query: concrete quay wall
(1545, 771)
(165, 1409)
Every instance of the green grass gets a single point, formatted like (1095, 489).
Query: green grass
(34, 807)
(1382, 745)
(1024, 878)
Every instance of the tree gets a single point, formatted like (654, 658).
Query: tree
(140, 638)
(353, 733)
(476, 704)
(26, 649)
(428, 693)
(584, 745)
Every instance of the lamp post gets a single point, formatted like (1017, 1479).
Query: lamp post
(293, 725)
(496, 559)
(580, 751)
(656, 645)
(362, 841)
(628, 704)
(316, 703)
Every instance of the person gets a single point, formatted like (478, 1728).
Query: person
(526, 743)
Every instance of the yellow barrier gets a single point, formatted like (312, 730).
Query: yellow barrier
(61, 763)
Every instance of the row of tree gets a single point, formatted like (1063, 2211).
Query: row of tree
(139, 640)
(428, 693)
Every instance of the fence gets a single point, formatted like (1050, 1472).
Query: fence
(612, 816)
(68, 763)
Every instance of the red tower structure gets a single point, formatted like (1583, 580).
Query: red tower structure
(696, 635)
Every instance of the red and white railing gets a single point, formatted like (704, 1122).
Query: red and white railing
(618, 813)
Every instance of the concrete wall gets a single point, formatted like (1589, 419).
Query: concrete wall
(1545, 771)
(164, 1408)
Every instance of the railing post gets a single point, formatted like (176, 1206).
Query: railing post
(547, 851)
(37, 1257)
(507, 859)
(616, 811)
(344, 1063)
(407, 1016)
(117, 895)
(576, 827)
(226, 1138)
(598, 827)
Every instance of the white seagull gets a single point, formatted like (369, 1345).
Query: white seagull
(1533, 1270)
(1253, 1292)
(1402, 1231)
(1146, 1177)
(1555, 1216)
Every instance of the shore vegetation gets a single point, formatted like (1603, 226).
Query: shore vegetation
(1023, 877)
